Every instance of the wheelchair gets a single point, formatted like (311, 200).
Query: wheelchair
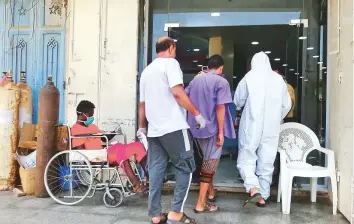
(73, 175)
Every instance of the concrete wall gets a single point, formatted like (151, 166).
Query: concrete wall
(102, 40)
(340, 96)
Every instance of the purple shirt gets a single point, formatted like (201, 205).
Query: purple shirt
(206, 91)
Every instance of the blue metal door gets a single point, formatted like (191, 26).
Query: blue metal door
(34, 42)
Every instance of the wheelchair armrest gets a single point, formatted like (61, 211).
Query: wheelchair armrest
(89, 135)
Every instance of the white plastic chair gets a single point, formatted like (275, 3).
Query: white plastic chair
(296, 141)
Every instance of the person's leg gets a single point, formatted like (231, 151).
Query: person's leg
(137, 150)
(211, 191)
(246, 164)
(157, 163)
(211, 154)
(143, 164)
(130, 173)
(180, 150)
(267, 152)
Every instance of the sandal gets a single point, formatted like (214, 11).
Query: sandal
(163, 219)
(185, 219)
(141, 189)
(213, 200)
(253, 199)
(260, 205)
(208, 209)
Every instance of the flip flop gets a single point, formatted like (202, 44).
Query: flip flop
(162, 221)
(253, 199)
(207, 209)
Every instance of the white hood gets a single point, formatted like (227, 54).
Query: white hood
(260, 61)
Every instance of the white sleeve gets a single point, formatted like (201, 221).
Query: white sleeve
(286, 104)
(142, 90)
(241, 94)
(174, 73)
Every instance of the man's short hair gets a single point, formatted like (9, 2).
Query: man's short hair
(215, 62)
(84, 106)
(163, 44)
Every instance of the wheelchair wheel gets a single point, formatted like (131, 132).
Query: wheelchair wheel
(115, 200)
(61, 177)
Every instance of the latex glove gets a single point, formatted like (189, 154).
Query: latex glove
(200, 121)
(141, 131)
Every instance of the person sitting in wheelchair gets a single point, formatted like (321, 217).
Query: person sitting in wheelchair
(118, 154)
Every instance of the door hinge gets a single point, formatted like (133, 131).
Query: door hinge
(64, 85)
(338, 176)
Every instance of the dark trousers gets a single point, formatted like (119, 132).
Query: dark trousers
(177, 147)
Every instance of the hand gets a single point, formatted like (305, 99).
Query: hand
(141, 131)
(220, 141)
(200, 121)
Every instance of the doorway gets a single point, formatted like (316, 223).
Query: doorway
(237, 45)
(296, 44)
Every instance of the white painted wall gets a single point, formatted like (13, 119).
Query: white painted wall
(340, 96)
(102, 40)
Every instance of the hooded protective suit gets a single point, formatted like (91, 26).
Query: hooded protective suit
(266, 101)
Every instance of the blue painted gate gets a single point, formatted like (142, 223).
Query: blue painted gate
(33, 40)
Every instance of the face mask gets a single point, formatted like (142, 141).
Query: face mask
(89, 121)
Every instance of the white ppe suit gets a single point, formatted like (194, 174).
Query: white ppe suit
(266, 101)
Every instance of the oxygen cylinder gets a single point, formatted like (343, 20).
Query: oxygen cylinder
(25, 108)
(9, 104)
(48, 113)
(3, 78)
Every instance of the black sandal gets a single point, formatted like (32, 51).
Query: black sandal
(260, 205)
(253, 199)
(213, 200)
(163, 219)
(185, 219)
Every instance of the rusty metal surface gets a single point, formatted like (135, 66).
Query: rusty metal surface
(9, 103)
(47, 119)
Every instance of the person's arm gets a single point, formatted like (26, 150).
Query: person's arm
(142, 114)
(220, 116)
(286, 101)
(175, 80)
(241, 94)
(183, 100)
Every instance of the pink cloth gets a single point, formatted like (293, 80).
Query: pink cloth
(118, 153)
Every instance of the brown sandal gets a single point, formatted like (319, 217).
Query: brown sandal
(141, 189)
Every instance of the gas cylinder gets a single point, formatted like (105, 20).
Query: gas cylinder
(9, 104)
(25, 108)
(3, 78)
(48, 115)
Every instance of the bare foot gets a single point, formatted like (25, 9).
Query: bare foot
(262, 201)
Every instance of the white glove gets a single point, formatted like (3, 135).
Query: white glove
(141, 131)
(200, 121)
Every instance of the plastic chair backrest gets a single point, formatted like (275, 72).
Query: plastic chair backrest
(298, 141)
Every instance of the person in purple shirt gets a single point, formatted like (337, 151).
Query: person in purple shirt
(211, 94)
